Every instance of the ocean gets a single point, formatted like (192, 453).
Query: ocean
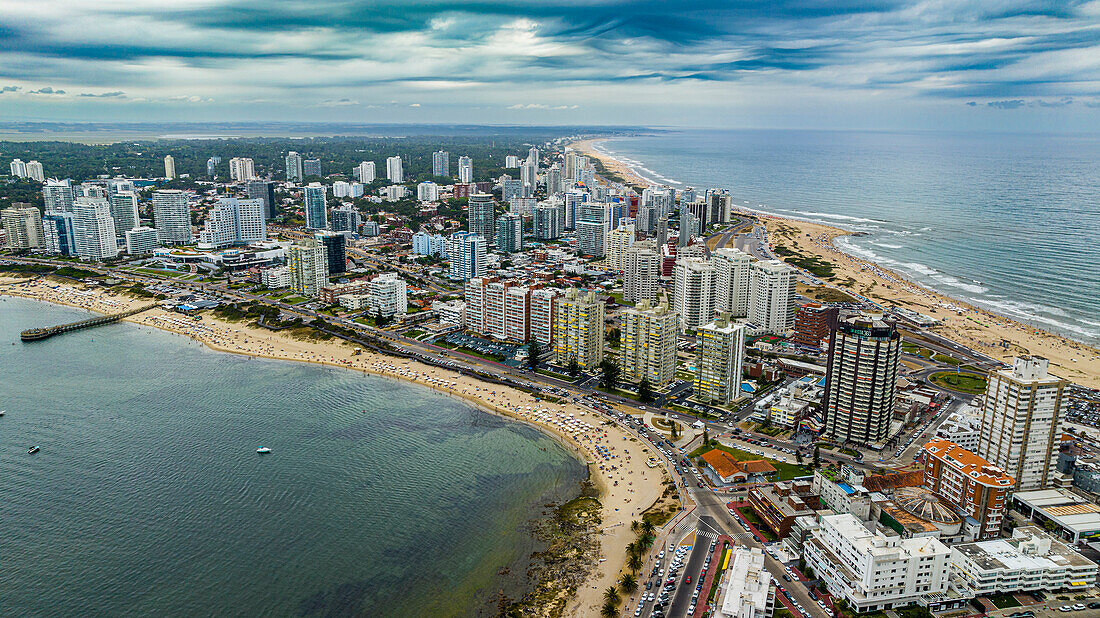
(1008, 222)
(148, 497)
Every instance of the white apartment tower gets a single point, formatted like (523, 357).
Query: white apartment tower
(466, 252)
(18, 168)
(169, 167)
(720, 352)
(233, 221)
(294, 172)
(465, 169)
(23, 227)
(172, 217)
(648, 343)
(441, 163)
(693, 284)
(578, 329)
(308, 263)
(94, 229)
(394, 170)
(619, 241)
(35, 171)
(388, 295)
(771, 296)
(1021, 424)
(641, 272)
(861, 379)
(124, 211)
(58, 195)
(733, 267)
(241, 169)
(365, 172)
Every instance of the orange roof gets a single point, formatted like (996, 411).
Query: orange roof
(756, 466)
(722, 462)
(879, 482)
(972, 466)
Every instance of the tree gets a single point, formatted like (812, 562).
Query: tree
(706, 437)
(609, 609)
(648, 528)
(634, 562)
(533, 352)
(574, 368)
(614, 336)
(645, 391)
(634, 525)
(817, 456)
(611, 595)
(609, 373)
(629, 583)
(798, 457)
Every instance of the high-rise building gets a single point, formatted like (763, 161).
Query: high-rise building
(263, 190)
(315, 206)
(124, 211)
(23, 227)
(169, 167)
(528, 177)
(233, 221)
(641, 272)
(689, 228)
(748, 587)
(466, 252)
(861, 378)
(548, 221)
(648, 343)
(812, 324)
(719, 204)
(335, 245)
(554, 180)
(466, 169)
(308, 267)
(365, 172)
(294, 171)
(733, 267)
(510, 233)
(212, 166)
(94, 229)
(388, 295)
(59, 233)
(771, 296)
(35, 171)
(172, 217)
(1021, 427)
(481, 212)
(141, 240)
(427, 192)
(619, 241)
(693, 286)
(971, 485)
(542, 316)
(18, 168)
(511, 161)
(311, 167)
(346, 219)
(394, 170)
(510, 189)
(58, 195)
(441, 164)
(578, 329)
(720, 352)
(241, 169)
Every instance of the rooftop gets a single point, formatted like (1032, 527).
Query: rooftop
(881, 482)
(974, 467)
(1029, 549)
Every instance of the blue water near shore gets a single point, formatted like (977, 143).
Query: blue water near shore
(1008, 222)
(148, 498)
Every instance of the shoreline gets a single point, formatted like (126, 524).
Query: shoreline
(979, 329)
(624, 490)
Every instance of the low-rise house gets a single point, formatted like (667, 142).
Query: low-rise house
(1031, 560)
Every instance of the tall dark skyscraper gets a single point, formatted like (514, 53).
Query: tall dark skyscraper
(861, 378)
(263, 190)
(336, 250)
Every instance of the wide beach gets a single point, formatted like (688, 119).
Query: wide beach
(627, 485)
(983, 331)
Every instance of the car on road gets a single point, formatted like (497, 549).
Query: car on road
(687, 580)
(1078, 606)
(1065, 608)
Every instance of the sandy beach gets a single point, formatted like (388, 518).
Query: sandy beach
(616, 460)
(981, 330)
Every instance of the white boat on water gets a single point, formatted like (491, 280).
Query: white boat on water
(263, 450)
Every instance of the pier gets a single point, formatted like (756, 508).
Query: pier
(37, 334)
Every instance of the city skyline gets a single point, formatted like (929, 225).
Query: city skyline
(1015, 66)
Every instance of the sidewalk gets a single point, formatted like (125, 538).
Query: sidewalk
(708, 579)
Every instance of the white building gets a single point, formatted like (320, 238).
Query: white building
(466, 252)
(94, 229)
(961, 429)
(18, 168)
(392, 193)
(308, 262)
(58, 195)
(424, 243)
(35, 171)
(365, 172)
(1021, 426)
(427, 192)
(294, 171)
(1031, 560)
(747, 586)
(578, 329)
(169, 167)
(172, 217)
(733, 267)
(619, 241)
(388, 295)
(241, 169)
(141, 240)
(441, 163)
(641, 272)
(771, 296)
(450, 312)
(648, 344)
(233, 221)
(394, 170)
(693, 286)
(720, 352)
(346, 219)
(23, 228)
(124, 211)
(465, 169)
(872, 571)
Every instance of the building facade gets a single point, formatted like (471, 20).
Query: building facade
(733, 268)
(578, 329)
(861, 379)
(975, 488)
(308, 267)
(693, 287)
(466, 252)
(648, 344)
(771, 296)
(172, 217)
(720, 351)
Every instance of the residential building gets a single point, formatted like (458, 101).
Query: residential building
(720, 351)
(641, 272)
(872, 571)
(335, 245)
(172, 217)
(233, 221)
(1067, 515)
(94, 229)
(619, 241)
(315, 205)
(392, 193)
(294, 171)
(395, 172)
(58, 195)
(511, 161)
(771, 296)
(18, 168)
(843, 491)
(263, 190)
(1021, 426)
(591, 238)
(466, 252)
(548, 222)
(728, 471)
(311, 167)
(388, 295)
(861, 378)
(212, 166)
(241, 169)
(427, 192)
(141, 240)
(693, 286)
(578, 329)
(977, 490)
(648, 343)
(59, 233)
(1031, 560)
(481, 212)
(746, 587)
(35, 171)
(450, 312)
(331, 293)
(365, 172)
(733, 268)
(276, 278)
(169, 167)
(23, 227)
(812, 324)
(465, 169)
(779, 504)
(308, 265)
(963, 430)
(441, 163)
(542, 316)
(510, 233)
(424, 243)
(124, 211)
(345, 219)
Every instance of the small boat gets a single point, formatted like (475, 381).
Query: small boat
(2, 412)
(263, 450)
(32, 450)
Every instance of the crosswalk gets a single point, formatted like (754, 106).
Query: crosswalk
(707, 534)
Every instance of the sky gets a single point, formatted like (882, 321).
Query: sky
(822, 64)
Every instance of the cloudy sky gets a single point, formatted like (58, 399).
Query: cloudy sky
(981, 64)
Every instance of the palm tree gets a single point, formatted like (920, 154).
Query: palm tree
(611, 595)
(633, 548)
(634, 562)
(629, 583)
(648, 527)
(609, 610)
(634, 525)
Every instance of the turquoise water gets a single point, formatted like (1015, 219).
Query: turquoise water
(1008, 222)
(148, 498)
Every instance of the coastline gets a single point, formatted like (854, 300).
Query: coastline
(981, 330)
(626, 487)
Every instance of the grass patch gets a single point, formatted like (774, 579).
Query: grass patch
(949, 360)
(963, 382)
(620, 393)
(787, 471)
(552, 374)
(1004, 601)
(754, 519)
(819, 267)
